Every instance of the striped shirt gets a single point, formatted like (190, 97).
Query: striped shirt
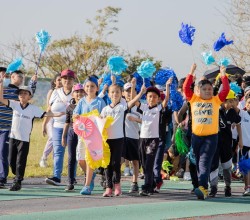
(6, 113)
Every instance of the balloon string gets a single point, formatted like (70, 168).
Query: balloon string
(39, 59)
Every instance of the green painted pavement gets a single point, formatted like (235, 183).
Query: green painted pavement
(163, 210)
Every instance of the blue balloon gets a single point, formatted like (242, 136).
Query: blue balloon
(221, 42)
(117, 64)
(42, 39)
(14, 65)
(244, 165)
(163, 75)
(208, 58)
(146, 69)
(186, 34)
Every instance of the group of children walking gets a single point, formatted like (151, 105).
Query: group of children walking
(137, 133)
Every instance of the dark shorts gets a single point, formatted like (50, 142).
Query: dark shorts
(131, 149)
(224, 148)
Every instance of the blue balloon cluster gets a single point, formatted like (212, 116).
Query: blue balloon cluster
(139, 83)
(14, 65)
(225, 61)
(234, 86)
(208, 58)
(175, 101)
(146, 69)
(221, 42)
(163, 74)
(42, 39)
(186, 34)
(117, 64)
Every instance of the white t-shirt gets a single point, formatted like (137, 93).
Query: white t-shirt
(132, 128)
(245, 127)
(59, 101)
(22, 120)
(150, 121)
(115, 131)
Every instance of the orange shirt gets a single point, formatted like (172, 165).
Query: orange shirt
(205, 115)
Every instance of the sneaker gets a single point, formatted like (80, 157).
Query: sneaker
(126, 171)
(107, 193)
(70, 188)
(247, 192)
(187, 176)
(180, 173)
(213, 191)
(192, 191)
(235, 176)
(2, 186)
(92, 183)
(134, 188)
(53, 181)
(227, 191)
(145, 193)
(85, 190)
(43, 163)
(16, 186)
(201, 193)
(118, 190)
(141, 176)
(158, 187)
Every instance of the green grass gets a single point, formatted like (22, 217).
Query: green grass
(37, 143)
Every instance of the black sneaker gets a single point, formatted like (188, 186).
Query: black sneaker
(16, 186)
(2, 186)
(134, 188)
(227, 191)
(213, 191)
(53, 181)
(70, 188)
(144, 193)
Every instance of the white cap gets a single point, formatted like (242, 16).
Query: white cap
(26, 88)
(161, 88)
(127, 86)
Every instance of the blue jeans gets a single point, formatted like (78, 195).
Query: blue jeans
(72, 140)
(204, 149)
(158, 162)
(4, 152)
(59, 151)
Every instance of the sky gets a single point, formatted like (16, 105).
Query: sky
(150, 25)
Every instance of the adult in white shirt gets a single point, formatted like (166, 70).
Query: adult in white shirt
(59, 101)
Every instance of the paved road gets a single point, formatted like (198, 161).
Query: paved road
(37, 200)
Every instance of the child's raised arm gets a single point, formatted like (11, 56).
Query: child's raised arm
(188, 82)
(4, 101)
(165, 101)
(137, 97)
(225, 84)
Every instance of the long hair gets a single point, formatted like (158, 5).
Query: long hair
(52, 83)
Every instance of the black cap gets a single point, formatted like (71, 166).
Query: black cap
(153, 89)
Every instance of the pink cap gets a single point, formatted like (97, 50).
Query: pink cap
(69, 73)
(78, 87)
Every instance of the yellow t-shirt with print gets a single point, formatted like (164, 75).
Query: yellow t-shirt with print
(205, 115)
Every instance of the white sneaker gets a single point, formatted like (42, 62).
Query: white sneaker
(43, 163)
(126, 171)
(247, 192)
(187, 176)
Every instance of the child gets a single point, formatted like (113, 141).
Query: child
(245, 126)
(55, 84)
(116, 136)
(70, 138)
(205, 124)
(87, 104)
(228, 116)
(150, 133)
(22, 120)
(131, 140)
